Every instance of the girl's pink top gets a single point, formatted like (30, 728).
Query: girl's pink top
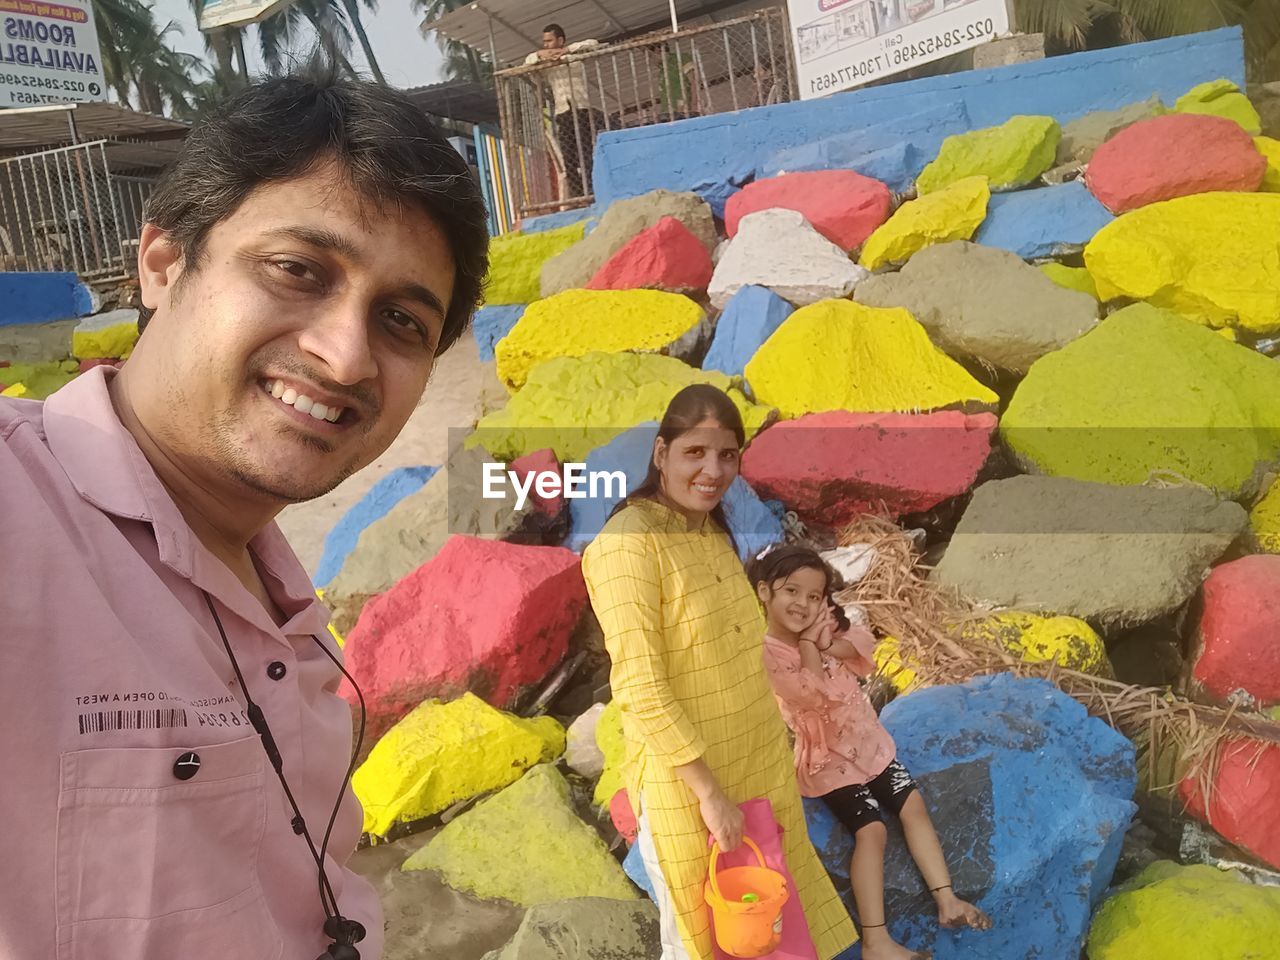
(840, 741)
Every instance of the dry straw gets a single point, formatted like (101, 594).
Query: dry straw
(1173, 735)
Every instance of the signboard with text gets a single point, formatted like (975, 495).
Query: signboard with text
(49, 53)
(217, 14)
(840, 44)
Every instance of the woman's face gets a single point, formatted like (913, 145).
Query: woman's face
(697, 467)
(795, 602)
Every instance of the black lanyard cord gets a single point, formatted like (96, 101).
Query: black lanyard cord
(258, 720)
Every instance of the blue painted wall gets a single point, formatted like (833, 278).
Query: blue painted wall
(40, 297)
(698, 153)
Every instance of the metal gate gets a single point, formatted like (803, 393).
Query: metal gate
(63, 210)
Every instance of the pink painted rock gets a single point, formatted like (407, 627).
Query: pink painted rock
(483, 615)
(843, 206)
(1245, 804)
(667, 256)
(540, 462)
(1238, 643)
(1173, 156)
(623, 817)
(830, 467)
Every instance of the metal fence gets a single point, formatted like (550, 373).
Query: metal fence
(64, 209)
(552, 112)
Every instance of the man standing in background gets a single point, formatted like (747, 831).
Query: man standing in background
(575, 121)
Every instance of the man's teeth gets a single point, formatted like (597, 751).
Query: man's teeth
(304, 404)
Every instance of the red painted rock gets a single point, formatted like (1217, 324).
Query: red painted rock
(843, 206)
(1245, 808)
(1173, 156)
(623, 817)
(541, 463)
(1238, 643)
(87, 365)
(483, 615)
(667, 256)
(830, 467)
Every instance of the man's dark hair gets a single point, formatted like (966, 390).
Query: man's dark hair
(278, 129)
(555, 29)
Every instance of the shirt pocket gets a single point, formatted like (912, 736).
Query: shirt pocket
(153, 867)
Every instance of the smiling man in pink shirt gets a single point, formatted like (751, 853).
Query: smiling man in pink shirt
(317, 245)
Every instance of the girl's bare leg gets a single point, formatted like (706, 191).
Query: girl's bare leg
(926, 851)
(866, 872)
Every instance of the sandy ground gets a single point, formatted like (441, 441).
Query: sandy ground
(452, 399)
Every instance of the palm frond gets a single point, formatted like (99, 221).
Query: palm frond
(1064, 22)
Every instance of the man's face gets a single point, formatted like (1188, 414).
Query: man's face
(551, 41)
(309, 294)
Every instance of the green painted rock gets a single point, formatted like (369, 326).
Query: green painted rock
(1168, 912)
(873, 360)
(609, 739)
(1221, 98)
(588, 928)
(1073, 278)
(1148, 394)
(40, 379)
(516, 261)
(525, 845)
(624, 219)
(952, 213)
(444, 752)
(1269, 147)
(1009, 156)
(579, 322)
(574, 404)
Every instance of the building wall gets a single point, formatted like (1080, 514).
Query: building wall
(40, 297)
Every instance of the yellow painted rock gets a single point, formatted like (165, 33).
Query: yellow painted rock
(1213, 257)
(1146, 394)
(610, 740)
(1168, 912)
(838, 355)
(1073, 278)
(898, 668)
(1264, 520)
(1037, 638)
(14, 390)
(1269, 147)
(575, 404)
(579, 322)
(1220, 98)
(1010, 155)
(105, 336)
(444, 752)
(515, 262)
(39, 379)
(525, 845)
(952, 213)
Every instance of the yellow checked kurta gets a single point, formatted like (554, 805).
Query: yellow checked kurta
(685, 632)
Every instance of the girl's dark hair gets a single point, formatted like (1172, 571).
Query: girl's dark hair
(280, 128)
(782, 561)
(688, 408)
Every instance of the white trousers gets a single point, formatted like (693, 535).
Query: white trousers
(672, 944)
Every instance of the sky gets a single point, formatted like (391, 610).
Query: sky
(407, 58)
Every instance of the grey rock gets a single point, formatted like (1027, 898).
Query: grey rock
(1086, 134)
(982, 303)
(587, 928)
(36, 342)
(1115, 556)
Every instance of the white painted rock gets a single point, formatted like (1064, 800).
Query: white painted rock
(778, 249)
(581, 752)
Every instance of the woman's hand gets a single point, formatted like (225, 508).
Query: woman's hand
(723, 819)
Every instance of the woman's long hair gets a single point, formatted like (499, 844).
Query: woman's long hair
(688, 408)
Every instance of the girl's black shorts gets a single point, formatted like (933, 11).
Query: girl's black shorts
(856, 806)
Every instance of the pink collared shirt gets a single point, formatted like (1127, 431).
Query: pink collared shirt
(111, 669)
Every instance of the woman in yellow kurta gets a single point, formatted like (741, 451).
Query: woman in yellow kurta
(685, 633)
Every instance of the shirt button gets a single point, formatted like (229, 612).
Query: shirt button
(737, 629)
(186, 766)
(276, 670)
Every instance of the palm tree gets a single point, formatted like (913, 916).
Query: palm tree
(138, 64)
(123, 25)
(353, 15)
(460, 61)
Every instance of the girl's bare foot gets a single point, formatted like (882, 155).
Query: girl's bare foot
(878, 945)
(954, 913)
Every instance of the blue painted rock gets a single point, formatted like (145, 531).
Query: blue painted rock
(1048, 222)
(748, 320)
(492, 323)
(1031, 798)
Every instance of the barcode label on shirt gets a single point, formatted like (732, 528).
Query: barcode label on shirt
(107, 721)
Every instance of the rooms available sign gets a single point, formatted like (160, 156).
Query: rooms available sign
(840, 44)
(48, 53)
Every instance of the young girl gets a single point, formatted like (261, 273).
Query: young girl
(843, 753)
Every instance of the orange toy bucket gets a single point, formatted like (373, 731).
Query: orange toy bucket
(746, 905)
